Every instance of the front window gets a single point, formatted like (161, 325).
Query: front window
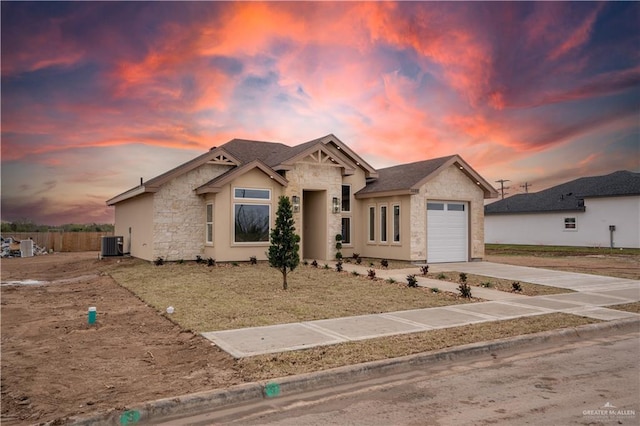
(346, 198)
(252, 194)
(372, 223)
(396, 223)
(346, 230)
(209, 230)
(251, 223)
(383, 224)
(570, 223)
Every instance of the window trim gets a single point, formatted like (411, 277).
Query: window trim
(350, 242)
(235, 188)
(233, 229)
(384, 225)
(575, 223)
(208, 242)
(342, 198)
(371, 221)
(393, 223)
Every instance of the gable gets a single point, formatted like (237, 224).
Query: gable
(215, 185)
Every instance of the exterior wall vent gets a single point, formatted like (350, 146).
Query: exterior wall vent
(111, 246)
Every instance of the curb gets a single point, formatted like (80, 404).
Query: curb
(254, 392)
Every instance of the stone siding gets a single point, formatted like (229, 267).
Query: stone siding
(317, 177)
(449, 185)
(179, 214)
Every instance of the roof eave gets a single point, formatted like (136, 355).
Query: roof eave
(390, 193)
(134, 192)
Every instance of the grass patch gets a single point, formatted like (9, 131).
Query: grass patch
(528, 289)
(228, 297)
(288, 363)
(553, 251)
(628, 307)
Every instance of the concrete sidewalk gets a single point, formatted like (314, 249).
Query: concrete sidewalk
(593, 294)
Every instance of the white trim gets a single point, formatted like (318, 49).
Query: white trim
(207, 241)
(370, 224)
(233, 226)
(250, 188)
(393, 225)
(575, 224)
(383, 227)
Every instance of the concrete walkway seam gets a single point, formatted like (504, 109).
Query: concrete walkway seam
(254, 392)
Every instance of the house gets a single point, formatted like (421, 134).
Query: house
(222, 204)
(596, 211)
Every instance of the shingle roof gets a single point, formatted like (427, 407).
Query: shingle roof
(404, 176)
(246, 151)
(569, 196)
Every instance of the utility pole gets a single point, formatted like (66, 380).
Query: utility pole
(526, 186)
(502, 187)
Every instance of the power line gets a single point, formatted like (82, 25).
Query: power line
(502, 187)
(526, 186)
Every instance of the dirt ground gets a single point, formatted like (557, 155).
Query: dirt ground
(55, 365)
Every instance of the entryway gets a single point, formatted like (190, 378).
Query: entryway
(314, 224)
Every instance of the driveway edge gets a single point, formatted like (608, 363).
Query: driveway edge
(254, 392)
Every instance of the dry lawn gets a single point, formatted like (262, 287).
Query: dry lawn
(528, 289)
(228, 297)
(264, 367)
(628, 307)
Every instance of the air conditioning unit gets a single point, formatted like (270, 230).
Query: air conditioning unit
(111, 246)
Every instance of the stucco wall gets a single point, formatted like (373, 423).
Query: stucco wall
(137, 214)
(224, 249)
(388, 249)
(449, 185)
(592, 225)
(179, 214)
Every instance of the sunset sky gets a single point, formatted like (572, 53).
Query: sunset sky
(96, 95)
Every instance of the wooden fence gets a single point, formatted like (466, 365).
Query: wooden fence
(62, 241)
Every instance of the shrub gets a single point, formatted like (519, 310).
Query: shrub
(180, 261)
(325, 266)
(355, 255)
(358, 260)
(487, 284)
(339, 266)
(253, 260)
(305, 262)
(371, 273)
(515, 286)
(412, 281)
(211, 262)
(199, 259)
(339, 255)
(234, 264)
(391, 280)
(441, 276)
(355, 273)
(465, 290)
(435, 290)
(159, 261)
(463, 277)
(384, 263)
(424, 270)
(371, 264)
(314, 263)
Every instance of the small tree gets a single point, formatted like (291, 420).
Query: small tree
(285, 247)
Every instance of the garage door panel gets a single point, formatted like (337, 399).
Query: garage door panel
(447, 231)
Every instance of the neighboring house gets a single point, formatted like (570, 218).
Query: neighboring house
(223, 203)
(597, 211)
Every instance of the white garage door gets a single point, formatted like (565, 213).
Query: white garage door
(447, 231)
